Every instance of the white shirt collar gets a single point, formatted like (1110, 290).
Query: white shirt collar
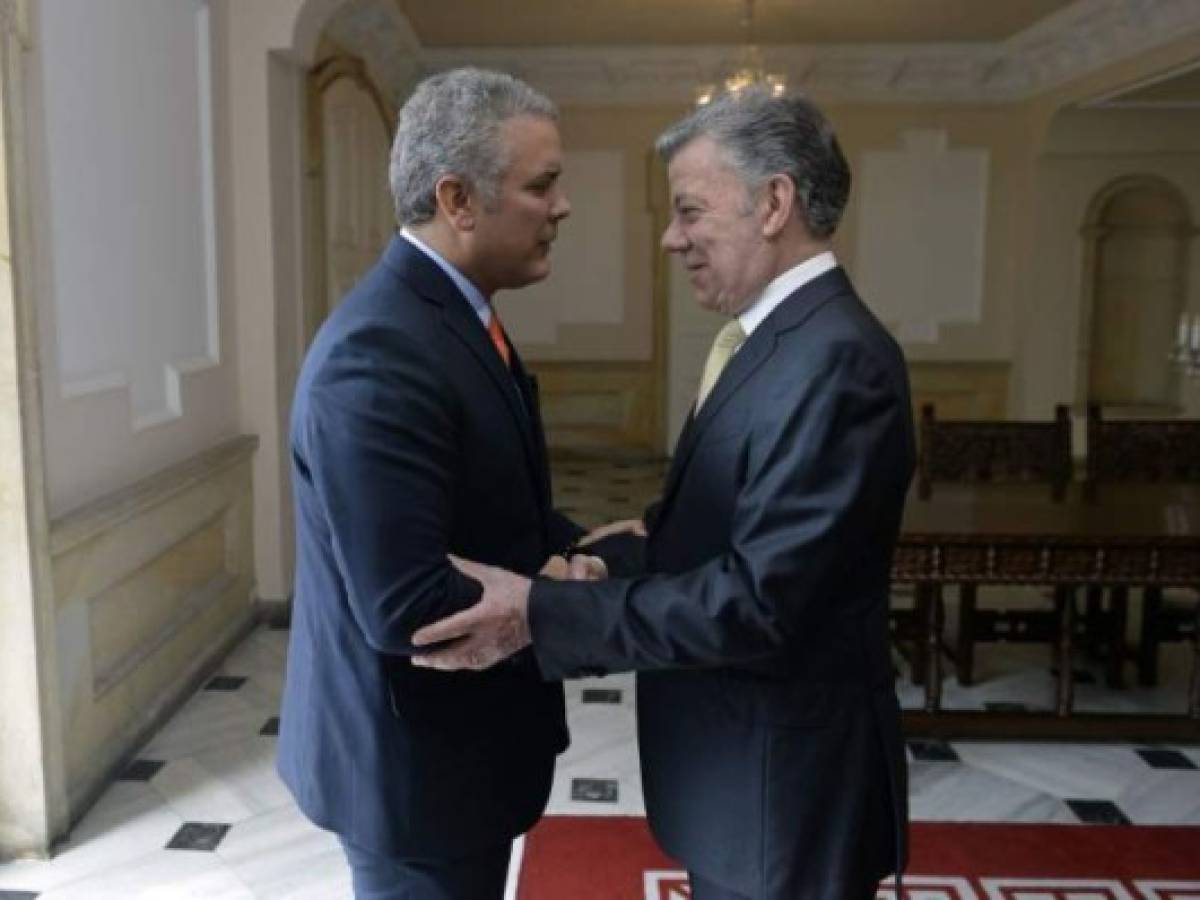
(474, 296)
(783, 286)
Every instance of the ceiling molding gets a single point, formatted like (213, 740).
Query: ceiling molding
(1075, 41)
(379, 34)
(1129, 96)
(1092, 34)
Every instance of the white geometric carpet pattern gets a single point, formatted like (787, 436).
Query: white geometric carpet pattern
(667, 885)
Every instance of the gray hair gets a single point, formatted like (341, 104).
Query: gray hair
(451, 126)
(763, 135)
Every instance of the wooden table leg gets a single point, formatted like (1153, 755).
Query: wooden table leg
(919, 662)
(933, 649)
(1065, 696)
(1194, 692)
(1118, 616)
(1147, 653)
(1093, 616)
(968, 598)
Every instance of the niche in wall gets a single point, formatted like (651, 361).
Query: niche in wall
(1136, 237)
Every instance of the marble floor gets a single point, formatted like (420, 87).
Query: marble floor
(201, 813)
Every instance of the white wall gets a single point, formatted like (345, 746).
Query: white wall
(923, 214)
(587, 276)
(135, 349)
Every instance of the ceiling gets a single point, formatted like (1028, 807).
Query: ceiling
(646, 52)
(538, 23)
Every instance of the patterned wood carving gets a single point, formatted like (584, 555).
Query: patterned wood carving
(1033, 559)
(995, 451)
(1179, 565)
(1142, 450)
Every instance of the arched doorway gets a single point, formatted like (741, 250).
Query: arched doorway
(1137, 233)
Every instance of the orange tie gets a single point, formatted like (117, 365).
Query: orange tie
(496, 333)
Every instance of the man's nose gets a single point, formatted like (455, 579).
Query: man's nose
(562, 208)
(673, 239)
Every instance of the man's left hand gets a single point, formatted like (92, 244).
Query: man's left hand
(496, 627)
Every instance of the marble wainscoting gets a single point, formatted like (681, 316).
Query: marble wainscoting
(152, 586)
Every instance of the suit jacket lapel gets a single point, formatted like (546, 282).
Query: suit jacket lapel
(791, 313)
(744, 363)
(529, 394)
(424, 276)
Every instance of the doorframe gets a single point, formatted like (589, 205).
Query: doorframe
(33, 751)
(320, 78)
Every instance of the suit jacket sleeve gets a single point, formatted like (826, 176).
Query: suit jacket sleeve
(624, 554)
(563, 531)
(809, 486)
(378, 440)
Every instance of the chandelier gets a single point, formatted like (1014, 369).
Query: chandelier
(749, 71)
(1186, 355)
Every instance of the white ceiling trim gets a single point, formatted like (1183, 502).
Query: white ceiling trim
(1071, 43)
(1127, 97)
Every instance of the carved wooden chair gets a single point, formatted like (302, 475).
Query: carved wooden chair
(1147, 451)
(1000, 452)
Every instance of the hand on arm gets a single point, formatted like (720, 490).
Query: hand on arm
(494, 628)
(498, 625)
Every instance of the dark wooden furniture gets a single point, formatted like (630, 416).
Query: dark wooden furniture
(1140, 451)
(994, 452)
(982, 534)
(1144, 451)
(963, 451)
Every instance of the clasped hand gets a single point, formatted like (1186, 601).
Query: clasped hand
(497, 626)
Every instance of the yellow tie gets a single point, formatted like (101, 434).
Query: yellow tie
(725, 344)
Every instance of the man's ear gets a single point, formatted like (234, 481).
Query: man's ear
(778, 199)
(456, 202)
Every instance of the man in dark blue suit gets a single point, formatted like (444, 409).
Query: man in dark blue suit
(415, 433)
(769, 731)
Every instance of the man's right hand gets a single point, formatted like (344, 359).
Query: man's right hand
(631, 526)
(580, 567)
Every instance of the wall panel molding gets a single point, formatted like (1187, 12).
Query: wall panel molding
(138, 310)
(961, 389)
(151, 585)
(598, 406)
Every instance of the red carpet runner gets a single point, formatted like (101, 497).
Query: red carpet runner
(593, 858)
